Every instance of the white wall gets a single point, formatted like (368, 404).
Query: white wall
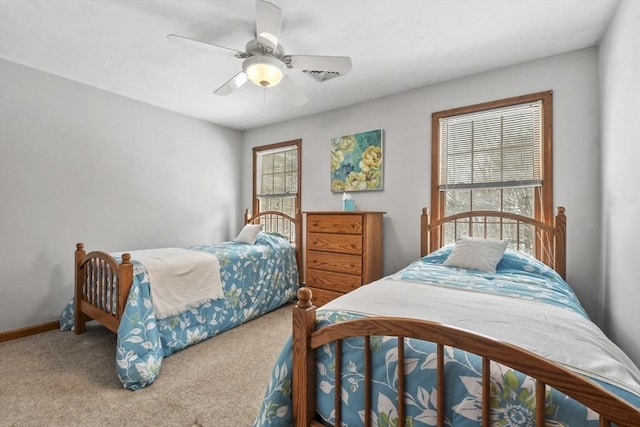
(620, 101)
(406, 120)
(81, 164)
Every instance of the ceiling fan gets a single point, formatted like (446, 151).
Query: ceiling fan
(265, 63)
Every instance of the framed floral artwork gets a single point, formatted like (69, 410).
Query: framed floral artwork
(356, 162)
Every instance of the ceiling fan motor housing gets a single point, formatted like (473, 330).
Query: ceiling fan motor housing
(254, 47)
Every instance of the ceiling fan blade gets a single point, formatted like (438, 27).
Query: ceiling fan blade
(236, 53)
(292, 91)
(335, 64)
(268, 23)
(229, 87)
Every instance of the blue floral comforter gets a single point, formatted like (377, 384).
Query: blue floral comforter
(256, 279)
(520, 281)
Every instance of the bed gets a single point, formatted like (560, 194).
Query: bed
(464, 347)
(237, 281)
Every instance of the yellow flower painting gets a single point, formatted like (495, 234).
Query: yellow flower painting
(356, 162)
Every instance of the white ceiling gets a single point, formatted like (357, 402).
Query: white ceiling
(395, 45)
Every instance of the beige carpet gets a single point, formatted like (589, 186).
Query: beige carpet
(62, 379)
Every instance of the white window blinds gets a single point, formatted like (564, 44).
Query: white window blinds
(497, 148)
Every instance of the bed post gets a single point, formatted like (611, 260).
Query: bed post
(125, 280)
(303, 383)
(425, 233)
(247, 216)
(560, 243)
(79, 318)
(298, 241)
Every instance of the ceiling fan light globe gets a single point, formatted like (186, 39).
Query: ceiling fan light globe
(265, 75)
(264, 71)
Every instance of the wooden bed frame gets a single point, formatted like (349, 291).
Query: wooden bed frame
(547, 374)
(102, 284)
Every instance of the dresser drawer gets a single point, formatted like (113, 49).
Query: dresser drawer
(341, 243)
(349, 224)
(321, 297)
(332, 281)
(341, 263)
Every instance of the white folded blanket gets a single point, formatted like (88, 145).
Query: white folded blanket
(180, 278)
(552, 332)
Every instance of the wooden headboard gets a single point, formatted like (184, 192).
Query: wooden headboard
(547, 242)
(279, 222)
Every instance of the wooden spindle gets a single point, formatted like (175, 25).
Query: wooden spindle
(337, 396)
(367, 381)
(440, 381)
(541, 389)
(486, 391)
(401, 382)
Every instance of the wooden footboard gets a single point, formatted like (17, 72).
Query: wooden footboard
(102, 284)
(547, 374)
(101, 288)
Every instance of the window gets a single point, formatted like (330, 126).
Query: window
(494, 156)
(276, 170)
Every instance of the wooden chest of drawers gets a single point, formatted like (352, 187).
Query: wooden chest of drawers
(343, 252)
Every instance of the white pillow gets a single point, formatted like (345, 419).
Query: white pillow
(248, 234)
(477, 254)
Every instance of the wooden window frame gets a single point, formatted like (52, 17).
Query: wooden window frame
(256, 151)
(543, 200)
